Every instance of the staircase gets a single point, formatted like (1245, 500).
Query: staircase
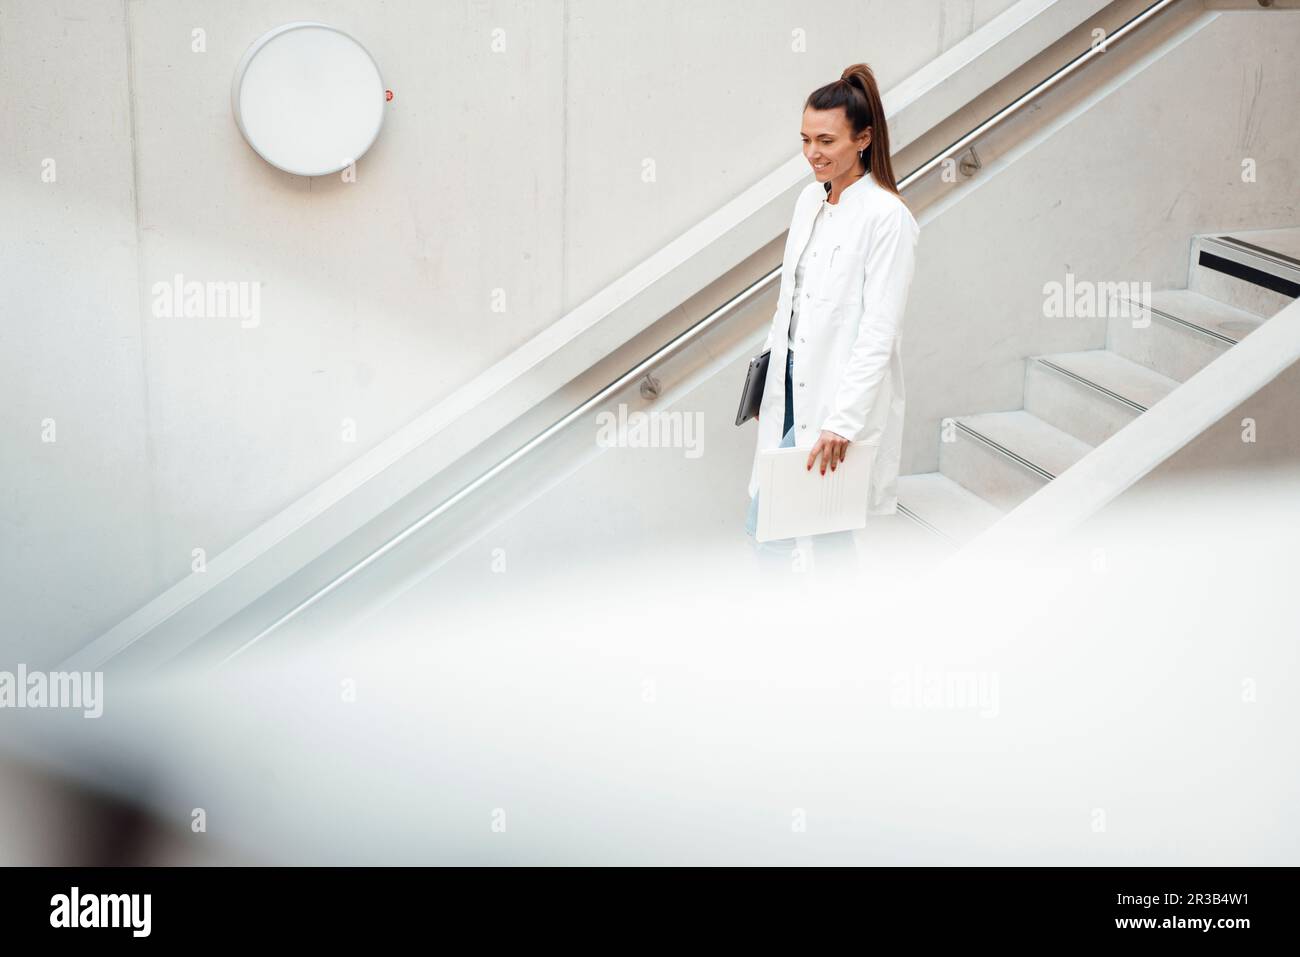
(990, 462)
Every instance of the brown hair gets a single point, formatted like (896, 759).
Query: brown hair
(857, 92)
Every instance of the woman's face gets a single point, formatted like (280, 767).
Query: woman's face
(828, 144)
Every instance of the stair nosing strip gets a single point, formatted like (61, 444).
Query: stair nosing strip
(1259, 269)
(1249, 273)
(1005, 451)
(1259, 252)
(1185, 322)
(1091, 384)
(927, 526)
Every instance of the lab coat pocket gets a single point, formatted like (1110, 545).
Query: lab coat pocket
(842, 279)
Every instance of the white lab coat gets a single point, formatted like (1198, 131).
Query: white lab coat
(848, 370)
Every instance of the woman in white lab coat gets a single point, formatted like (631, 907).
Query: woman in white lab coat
(835, 374)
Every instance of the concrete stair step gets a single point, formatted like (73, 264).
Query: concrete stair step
(945, 507)
(1179, 332)
(1074, 401)
(1254, 270)
(1004, 457)
(1206, 314)
(1283, 243)
(1091, 394)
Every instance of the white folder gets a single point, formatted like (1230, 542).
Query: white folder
(795, 501)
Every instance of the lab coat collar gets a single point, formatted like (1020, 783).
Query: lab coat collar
(850, 198)
(856, 189)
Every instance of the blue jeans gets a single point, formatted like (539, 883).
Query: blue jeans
(839, 545)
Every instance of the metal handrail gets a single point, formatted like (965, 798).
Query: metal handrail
(1095, 50)
(685, 338)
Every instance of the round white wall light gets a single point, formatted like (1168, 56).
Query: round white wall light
(308, 98)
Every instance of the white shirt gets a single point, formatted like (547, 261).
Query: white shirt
(848, 367)
(817, 247)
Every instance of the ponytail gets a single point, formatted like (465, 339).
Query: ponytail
(856, 91)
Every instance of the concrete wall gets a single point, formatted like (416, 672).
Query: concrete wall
(519, 170)
(79, 505)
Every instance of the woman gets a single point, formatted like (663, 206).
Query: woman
(835, 375)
